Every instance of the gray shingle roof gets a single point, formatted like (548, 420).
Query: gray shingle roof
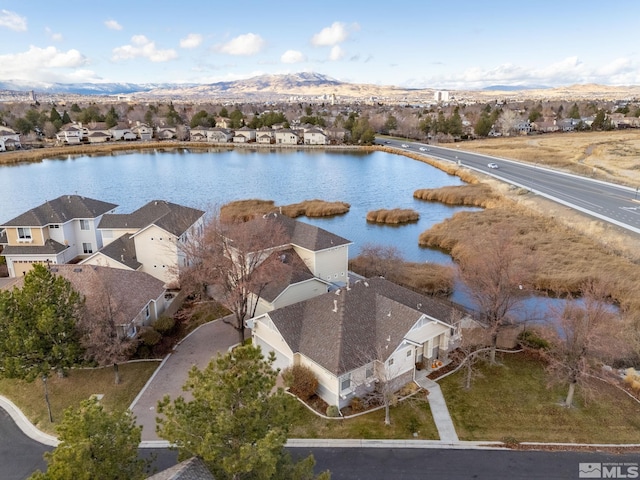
(343, 331)
(129, 291)
(61, 210)
(50, 247)
(307, 236)
(295, 271)
(123, 250)
(173, 218)
(191, 469)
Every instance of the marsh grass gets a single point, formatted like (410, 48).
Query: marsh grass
(512, 400)
(475, 195)
(78, 385)
(395, 216)
(315, 208)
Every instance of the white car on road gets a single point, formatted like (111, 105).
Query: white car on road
(492, 165)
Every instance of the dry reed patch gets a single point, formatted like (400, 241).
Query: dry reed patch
(315, 208)
(476, 195)
(394, 216)
(564, 257)
(243, 210)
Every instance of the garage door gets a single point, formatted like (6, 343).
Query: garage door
(282, 361)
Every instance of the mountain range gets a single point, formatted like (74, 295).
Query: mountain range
(309, 84)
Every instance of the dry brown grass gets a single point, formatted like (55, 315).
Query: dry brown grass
(243, 210)
(476, 195)
(394, 216)
(315, 208)
(607, 155)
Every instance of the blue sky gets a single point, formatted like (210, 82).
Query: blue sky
(410, 43)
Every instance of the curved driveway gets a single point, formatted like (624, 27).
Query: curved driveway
(609, 202)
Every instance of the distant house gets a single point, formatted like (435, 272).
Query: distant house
(219, 135)
(149, 239)
(122, 131)
(337, 134)
(287, 136)
(56, 232)
(244, 135)
(143, 131)
(545, 126)
(315, 136)
(70, 134)
(351, 338)
(265, 135)
(9, 140)
(98, 137)
(166, 133)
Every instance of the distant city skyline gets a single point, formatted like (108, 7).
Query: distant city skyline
(409, 43)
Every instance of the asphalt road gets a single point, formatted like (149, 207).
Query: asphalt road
(609, 202)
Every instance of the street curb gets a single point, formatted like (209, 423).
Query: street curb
(25, 425)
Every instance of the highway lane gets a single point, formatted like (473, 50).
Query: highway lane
(609, 202)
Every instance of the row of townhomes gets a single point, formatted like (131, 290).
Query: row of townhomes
(352, 332)
(96, 132)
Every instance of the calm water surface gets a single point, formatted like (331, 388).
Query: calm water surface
(204, 179)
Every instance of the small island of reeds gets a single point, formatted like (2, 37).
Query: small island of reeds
(475, 195)
(394, 216)
(243, 210)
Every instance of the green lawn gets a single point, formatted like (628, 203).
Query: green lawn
(513, 401)
(78, 385)
(411, 415)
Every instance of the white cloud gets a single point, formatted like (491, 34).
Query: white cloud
(142, 47)
(57, 37)
(293, 56)
(336, 33)
(192, 40)
(337, 53)
(247, 44)
(112, 25)
(13, 21)
(42, 64)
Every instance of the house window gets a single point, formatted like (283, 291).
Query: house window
(24, 234)
(84, 224)
(345, 383)
(409, 352)
(54, 226)
(86, 247)
(390, 361)
(147, 311)
(369, 371)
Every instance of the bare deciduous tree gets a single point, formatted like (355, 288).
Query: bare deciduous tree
(508, 121)
(105, 341)
(584, 336)
(378, 260)
(235, 258)
(495, 270)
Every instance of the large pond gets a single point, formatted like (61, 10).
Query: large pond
(205, 179)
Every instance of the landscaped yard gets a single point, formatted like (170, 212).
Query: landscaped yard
(512, 401)
(78, 385)
(407, 417)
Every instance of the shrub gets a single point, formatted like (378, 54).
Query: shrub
(531, 339)
(357, 405)
(332, 411)
(164, 325)
(149, 337)
(301, 381)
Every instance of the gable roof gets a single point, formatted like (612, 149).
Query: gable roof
(122, 250)
(61, 210)
(295, 271)
(50, 247)
(129, 291)
(175, 219)
(350, 327)
(307, 236)
(190, 469)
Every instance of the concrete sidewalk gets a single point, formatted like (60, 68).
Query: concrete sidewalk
(439, 410)
(25, 425)
(198, 348)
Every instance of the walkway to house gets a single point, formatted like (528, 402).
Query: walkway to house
(439, 410)
(198, 348)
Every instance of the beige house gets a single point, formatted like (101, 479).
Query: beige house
(314, 136)
(56, 232)
(358, 336)
(244, 135)
(148, 239)
(143, 131)
(122, 131)
(287, 136)
(70, 134)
